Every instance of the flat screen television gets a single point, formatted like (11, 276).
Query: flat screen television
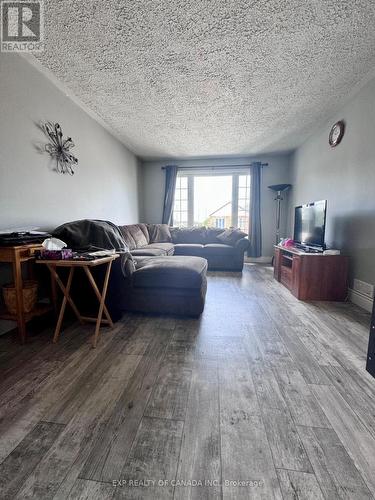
(310, 224)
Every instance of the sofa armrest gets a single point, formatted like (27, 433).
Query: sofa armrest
(242, 245)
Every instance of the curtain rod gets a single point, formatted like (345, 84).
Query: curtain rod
(218, 166)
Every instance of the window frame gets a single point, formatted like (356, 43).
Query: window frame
(190, 174)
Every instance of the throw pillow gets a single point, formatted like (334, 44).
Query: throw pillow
(183, 235)
(138, 235)
(212, 234)
(159, 233)
(231, 236)
(126, 234)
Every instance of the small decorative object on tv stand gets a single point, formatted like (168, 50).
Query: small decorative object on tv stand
(59, 148)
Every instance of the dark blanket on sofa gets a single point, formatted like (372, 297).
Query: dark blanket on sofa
(90, 235)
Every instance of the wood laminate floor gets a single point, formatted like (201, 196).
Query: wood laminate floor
(263, 397)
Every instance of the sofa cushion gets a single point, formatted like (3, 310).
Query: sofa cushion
(170, 272)
(140, 234)
(144, 229)
(188, 249)
(132, 235)
(135, 235)
(212, 234)
(188, 235)
(159, 233)
(218, 249)
(148, 252)
(231, 236)
(168, 248)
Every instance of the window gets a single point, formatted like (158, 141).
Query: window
(220, 222)
(243, 202)
(180, 210)
(212, 199)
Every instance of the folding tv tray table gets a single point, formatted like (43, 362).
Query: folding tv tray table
(85, 265)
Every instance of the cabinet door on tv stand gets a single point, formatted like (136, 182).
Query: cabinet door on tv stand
(296, 279)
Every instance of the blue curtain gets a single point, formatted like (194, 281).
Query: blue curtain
(255, 230)
(170, 186)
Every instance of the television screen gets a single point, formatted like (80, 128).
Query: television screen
(309, 224)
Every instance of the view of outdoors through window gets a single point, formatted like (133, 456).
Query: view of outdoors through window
(219, 201)
(213, 201)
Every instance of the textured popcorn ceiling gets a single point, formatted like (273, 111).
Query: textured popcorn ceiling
(193, 78)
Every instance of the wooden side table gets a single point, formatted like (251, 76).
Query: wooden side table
(16, 256)
(85, 265)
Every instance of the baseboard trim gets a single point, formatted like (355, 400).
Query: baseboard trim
(259, 260)
(360, 300)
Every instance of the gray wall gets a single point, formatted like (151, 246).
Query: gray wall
(153, 178)
(106, 179)
(345, 176)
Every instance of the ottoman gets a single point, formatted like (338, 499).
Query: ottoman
(168, 285)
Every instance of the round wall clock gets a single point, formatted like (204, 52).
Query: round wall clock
(336, 134)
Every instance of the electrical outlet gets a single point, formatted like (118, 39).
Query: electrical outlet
(364, 288)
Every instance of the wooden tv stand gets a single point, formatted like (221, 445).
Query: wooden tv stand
(311, 276)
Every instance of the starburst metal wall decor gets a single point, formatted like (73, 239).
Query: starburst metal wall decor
(59, 149)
